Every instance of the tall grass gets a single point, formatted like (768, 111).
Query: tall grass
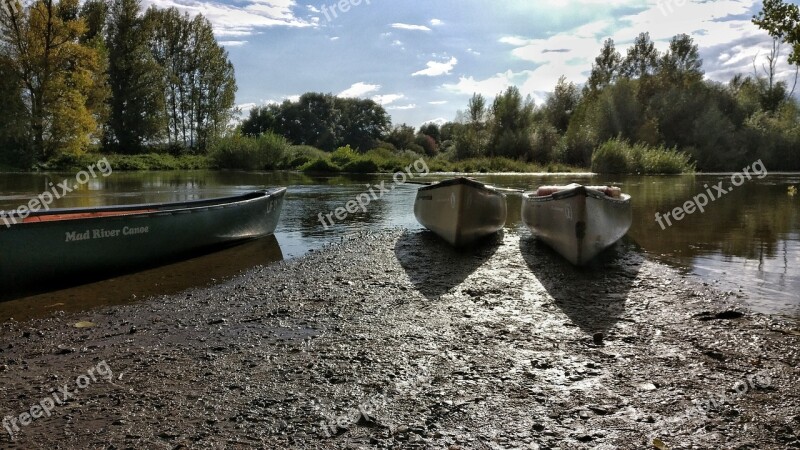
(618, 156)
(265, 152)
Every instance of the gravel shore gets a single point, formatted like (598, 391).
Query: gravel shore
(395, 340)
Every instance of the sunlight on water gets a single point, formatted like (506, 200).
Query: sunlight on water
(746, 243)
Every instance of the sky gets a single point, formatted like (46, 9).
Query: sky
(423, 60)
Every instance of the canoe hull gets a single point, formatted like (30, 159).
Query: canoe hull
(460, 210)
(38, 252)
(577, 223)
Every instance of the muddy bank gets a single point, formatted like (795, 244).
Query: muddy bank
(394, 340)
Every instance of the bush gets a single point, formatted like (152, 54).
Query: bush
(320, 165)
(361, 165)
(611, 157)
(265, 152)
(343, 155)
(298, 155)
(618, 156)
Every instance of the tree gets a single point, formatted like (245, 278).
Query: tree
(323, 120)
(511, 120)
(605, 69)
(42, 51)
(476, 110)
(401, 136)
(431, 129)
(137, 100)
(561, 104)
(782, 21)
(681, 64)
(642, 58)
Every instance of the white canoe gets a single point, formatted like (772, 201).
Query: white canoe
(461, 210)
(577, 221)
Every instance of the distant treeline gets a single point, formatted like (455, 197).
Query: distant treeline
(647, 111)
(106, 75)
(81, 75)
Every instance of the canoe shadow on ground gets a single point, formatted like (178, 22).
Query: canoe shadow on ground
(434, 266)
(592, 296)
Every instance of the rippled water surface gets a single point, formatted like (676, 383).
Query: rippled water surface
(747, 242)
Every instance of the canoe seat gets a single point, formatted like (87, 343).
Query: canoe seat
(610, 191)
(86, 215)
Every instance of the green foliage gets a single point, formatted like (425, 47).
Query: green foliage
(137, 101)
(361, 165)
(617, 156)
(266, 152)
(121, 162)
(322, 165)
(782, 21)
(195, 74)
(297, 155)
(322, 120)
(343, 155)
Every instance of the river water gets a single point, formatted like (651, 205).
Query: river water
(746, 243)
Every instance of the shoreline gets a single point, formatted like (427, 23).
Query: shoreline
(395, 340)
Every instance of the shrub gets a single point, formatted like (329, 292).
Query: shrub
(611, 157)
(320, 165)
(265, 152)
(343, 155)
(617, 156)
(298, 155)
(361, 165)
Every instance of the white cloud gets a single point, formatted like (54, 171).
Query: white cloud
(405, 26)
(722, 30)
(387, 98)
(473, 52)
(313, 9)
(436, 69)
(438, 102)
(335, 38)
(243, 19)
(359, 89)
(232, 43)
(410, 106)
(438, 121)
(496, 84)
(514, 40)
(436, 22)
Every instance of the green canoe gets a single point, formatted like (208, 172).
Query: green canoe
(60, 244)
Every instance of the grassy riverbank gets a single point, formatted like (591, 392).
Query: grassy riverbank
(269, 152)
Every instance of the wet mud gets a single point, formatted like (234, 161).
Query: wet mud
(395, 340)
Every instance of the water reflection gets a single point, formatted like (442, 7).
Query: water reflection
(169, 279)
(747, 242)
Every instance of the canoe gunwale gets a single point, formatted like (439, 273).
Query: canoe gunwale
(574, 192)
(161, 209)
(460, 181)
